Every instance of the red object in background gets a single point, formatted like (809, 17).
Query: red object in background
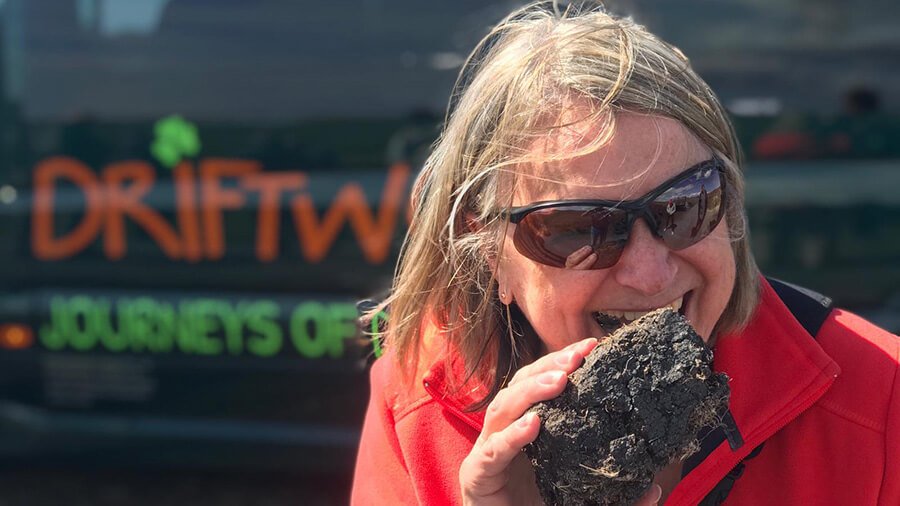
(784, 145)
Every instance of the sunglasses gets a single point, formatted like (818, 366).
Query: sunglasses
(681, 212)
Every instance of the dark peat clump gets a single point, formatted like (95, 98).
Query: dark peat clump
(633, 407)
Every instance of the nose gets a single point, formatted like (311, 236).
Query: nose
(646, 264)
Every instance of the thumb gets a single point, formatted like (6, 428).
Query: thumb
(652, 496)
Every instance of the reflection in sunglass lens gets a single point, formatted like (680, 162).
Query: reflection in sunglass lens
(552, 235)
(549, 236)
(611, 226)
(690, 210)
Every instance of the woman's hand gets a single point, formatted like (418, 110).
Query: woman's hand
(496, 472)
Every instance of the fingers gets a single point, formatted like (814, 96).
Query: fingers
(582, 258)
(484, 472)
(652, 497)
(542, 380)
(511, 402)
(567, 359)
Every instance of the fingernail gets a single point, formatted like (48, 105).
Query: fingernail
(564, 359)
(525, 421)
(657, 492)
(550, 378)
(580, 344)
(587, 342)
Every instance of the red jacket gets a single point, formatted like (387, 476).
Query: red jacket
(827, 408)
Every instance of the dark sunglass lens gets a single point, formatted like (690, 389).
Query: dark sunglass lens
(691, 209)
(554, 236)
(610, 231)
(549, 236)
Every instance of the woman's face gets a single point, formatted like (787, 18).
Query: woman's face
(564, 305)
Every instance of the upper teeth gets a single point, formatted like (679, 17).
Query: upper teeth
(634, 315)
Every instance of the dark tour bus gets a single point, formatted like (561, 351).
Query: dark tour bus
(195, 193)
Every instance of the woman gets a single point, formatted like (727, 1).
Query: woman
(586, 175)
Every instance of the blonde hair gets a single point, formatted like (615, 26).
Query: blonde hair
(513, 89)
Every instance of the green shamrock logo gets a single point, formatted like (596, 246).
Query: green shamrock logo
(175, 139)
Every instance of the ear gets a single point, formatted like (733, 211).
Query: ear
(494, 263)
(500, 267)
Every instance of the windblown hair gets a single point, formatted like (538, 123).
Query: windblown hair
(516, 87)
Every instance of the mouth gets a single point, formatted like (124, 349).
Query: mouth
(611, 320)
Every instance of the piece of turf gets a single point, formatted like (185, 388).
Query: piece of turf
(633, 407)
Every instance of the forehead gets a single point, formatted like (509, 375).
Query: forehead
(642, 152)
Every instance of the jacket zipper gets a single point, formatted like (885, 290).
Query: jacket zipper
(450, 406)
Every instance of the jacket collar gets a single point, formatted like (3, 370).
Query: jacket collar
(777, 371)
(455, 401)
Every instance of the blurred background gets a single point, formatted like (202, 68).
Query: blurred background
(195, 193)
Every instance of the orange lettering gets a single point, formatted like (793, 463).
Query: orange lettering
(270, 187)
(43, 243)
(186, 204)
(373, 234)
(125, 199)
(126, 184)
(216, 198)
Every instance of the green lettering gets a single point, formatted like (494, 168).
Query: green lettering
(131, 325)
(53, 336)
(185, 325)
(262, 318)
(200, 326)
(342, 325)
(205, 324)
(233, 325)
(152, 325)
(308, 323)
(165, 334)
(82, 338)
(101, 325)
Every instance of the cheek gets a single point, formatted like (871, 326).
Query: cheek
(713, 260)
(554, 301)
(721, 256)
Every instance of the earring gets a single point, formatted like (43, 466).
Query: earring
(505, 297)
